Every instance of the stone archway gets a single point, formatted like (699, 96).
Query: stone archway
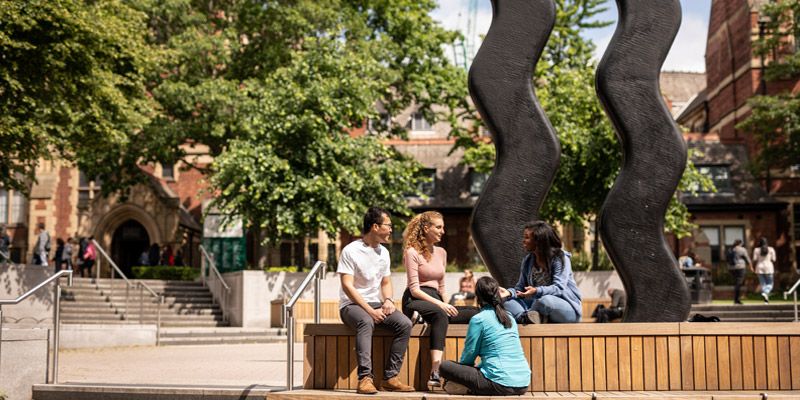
(130, 239)
(116, 222)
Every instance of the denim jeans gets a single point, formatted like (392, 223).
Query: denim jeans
(766, 283)
(554, 307)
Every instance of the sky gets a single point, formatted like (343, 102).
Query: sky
(687, 53)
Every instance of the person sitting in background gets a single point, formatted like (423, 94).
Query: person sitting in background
(493, 336)
(466, 291)
(689, 260)
(614, 311)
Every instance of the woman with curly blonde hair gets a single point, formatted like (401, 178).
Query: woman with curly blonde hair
(425, 271)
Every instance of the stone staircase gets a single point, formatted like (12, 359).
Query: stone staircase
(747, 312)
(187, 304)
(220, 335)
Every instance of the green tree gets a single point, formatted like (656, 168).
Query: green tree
(590, 151)
(71, 86)
(274, 88)
(775, 119)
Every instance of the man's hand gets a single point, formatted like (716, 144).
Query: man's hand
(388, 307)
(377, 315)
(529, 292)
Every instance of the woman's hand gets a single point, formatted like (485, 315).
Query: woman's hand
(448, 309)
(529, 292)
(504, 293)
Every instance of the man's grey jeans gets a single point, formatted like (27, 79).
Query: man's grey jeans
(355, 317)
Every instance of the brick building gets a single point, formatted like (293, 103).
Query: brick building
(746, 206)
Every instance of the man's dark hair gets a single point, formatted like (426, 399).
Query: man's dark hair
(374, 215)
(40, 225)
(737, 242)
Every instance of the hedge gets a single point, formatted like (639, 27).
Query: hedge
(170, 273)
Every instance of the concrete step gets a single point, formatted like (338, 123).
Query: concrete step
(215, 340)
(149, 392)
(164, 323)
(228, 332)
(136, 311)
(134, 315)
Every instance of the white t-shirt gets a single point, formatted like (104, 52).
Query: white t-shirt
(368, 265)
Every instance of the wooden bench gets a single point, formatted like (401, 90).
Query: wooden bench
(592, 357)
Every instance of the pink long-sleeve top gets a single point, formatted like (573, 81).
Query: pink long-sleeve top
(422, 272)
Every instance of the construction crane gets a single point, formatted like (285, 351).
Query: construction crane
(464, 51)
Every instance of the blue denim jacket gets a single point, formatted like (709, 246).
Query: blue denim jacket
(563, 284)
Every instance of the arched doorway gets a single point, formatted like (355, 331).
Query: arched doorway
(129, 241)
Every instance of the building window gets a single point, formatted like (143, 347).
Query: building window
(427, 187)
(419, 123)
(168, 171)
(477, 181)
(719, 174)
(88, 189)
(13, 207)
(720, 237)
(378, 125)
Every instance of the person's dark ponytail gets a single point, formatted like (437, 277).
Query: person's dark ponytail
(487, 292)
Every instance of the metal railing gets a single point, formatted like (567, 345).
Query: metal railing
(56, 318)
(207, 259)
(317, 274)
(140, 285)
(793, 292)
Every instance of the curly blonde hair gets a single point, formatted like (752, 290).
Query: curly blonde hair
(414, 235)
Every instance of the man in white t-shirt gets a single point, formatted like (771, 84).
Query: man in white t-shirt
(365, 300)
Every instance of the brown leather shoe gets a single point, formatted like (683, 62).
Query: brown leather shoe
(393, 384)
(366, 386)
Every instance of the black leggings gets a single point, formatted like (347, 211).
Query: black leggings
(474, 380)
(434, 316)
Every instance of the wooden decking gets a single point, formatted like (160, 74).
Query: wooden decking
(644, 395)
(585, 358)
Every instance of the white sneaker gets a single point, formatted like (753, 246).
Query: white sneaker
(534, 317)
(766, 297)
(456, 389)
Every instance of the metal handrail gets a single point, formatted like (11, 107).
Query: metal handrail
(793, 292)
(56, 316)
(214, 268)
(142, 287)
(317, 274)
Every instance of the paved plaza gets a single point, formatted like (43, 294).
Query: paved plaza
(215, 365)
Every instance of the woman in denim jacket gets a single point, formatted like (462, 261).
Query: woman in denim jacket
(546, 290)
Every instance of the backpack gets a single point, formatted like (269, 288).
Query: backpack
(730, 256)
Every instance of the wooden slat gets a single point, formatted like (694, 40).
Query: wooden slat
(794, 348)
(550, 369)
(562, 364)
(424, 362)
(674, 359)
(413, 362)
(712, 373)
(460, 342)
(342, 362)
(330, 362)
(573, 330)
(773, 367)
(599, 362)
(687, 363)
(662, 363)
(760, 358)
(637, 363)
(587, 364)
(724, 362)
(525, 342)
(649, 360)
(784, 363)
(737, 365)
(352, 362)
(699, 362)
(450, 349)
(319, 362)
(308, 362)
(738, 328)
(574, 364)
(612, 363)
(537, 364)
(748, 364)
(624, 362)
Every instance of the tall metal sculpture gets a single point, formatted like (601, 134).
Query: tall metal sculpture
(654, 157)
(654, 153)
(527, 147)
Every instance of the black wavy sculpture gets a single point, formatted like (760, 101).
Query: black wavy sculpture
(654, 157)
(527, 148)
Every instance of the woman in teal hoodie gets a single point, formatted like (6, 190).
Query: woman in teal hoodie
(492, 335)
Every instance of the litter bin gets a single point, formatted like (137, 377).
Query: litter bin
(700, 285)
